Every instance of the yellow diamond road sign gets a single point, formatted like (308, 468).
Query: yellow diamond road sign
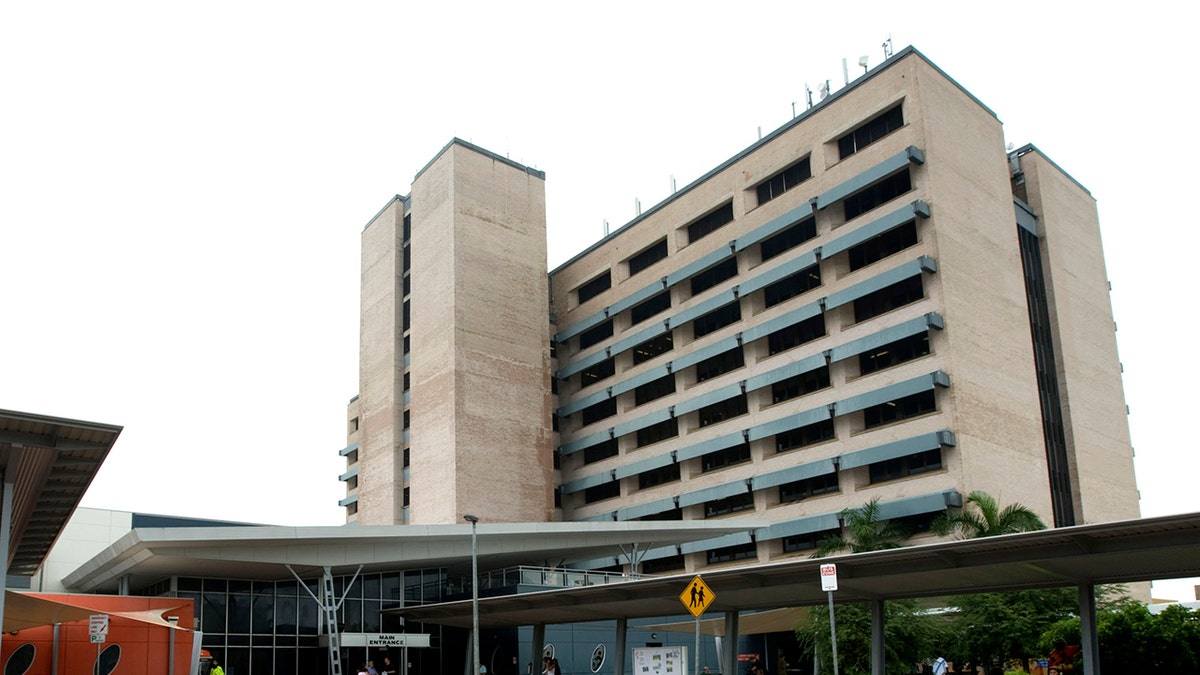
(697, 596)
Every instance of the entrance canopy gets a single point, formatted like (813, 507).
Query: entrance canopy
(1119, 552)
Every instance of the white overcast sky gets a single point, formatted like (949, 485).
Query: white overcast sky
(183, 185)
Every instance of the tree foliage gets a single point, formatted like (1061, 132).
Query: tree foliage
(868, 532)
(986, 519)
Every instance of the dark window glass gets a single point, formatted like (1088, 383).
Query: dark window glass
(731, 553)
(784, 180)
(870, 132)
(877, 193)
(894, 353)
(708, 223)
(716, 319)
(591, 336)
(727, 457)
(648, 257)
(663, 474)
(785, 289)
(900, 467)
(598, 411)
(723, 410)
(654, 389)
(720, 364)
(600, 371)
(796, 334)
(600, 451)
(808, 540)
(899, 409)
(881, 246)
(658, 432)
(602, 492)
(714, 275)
(720, 507)
(805, 435)
(886, 299)
(594, 287)
(809, 487)
(644, 310)
(799, 385)
(790, 238)
(652, 348)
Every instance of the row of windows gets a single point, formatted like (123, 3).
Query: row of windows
(774, 186)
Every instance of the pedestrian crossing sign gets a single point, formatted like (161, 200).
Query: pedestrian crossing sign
(697, 596)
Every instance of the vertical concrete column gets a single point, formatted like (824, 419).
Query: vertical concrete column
(622, 630)
(878, 651)
(729, 653)
(1087, 629)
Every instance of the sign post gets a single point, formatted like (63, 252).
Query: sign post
(829, 584)
(697, 597)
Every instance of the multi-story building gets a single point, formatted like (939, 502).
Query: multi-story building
(874, 301)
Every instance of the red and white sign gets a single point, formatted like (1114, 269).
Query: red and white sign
(829, 577)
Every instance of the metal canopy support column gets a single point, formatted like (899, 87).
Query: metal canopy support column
(878, 653)
(329, 607)
(1087, 629)
(619, 662)
(729, 653)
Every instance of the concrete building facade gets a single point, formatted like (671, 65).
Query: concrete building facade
(874, 301)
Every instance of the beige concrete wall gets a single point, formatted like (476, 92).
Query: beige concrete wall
(480, 436)
(1095, 418)
(381, 370)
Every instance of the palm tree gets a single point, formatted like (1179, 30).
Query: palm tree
(867, 532)
(986, 519)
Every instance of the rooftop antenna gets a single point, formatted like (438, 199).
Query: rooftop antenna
(887, 48)
(862, 61)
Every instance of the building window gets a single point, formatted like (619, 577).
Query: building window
(883, 245)
(654, 389)
(663, 474)
(886, 299)
(720, 364)
(658, 432)
(716, 319)
(598, 411)
(652, 348)
(708, 223)
(796, 334)
(877, 193)
(591, 336)
(809, 487)
(647, 257)
(601, 492)
(644, 310)
(808, 540)
(788, 239)
(785, 289)
(899, 409)
(605, 369)
(804, 436)
(731, 553)
(894, 353)
(720, 459)
(594, 287)
(891, 469)
(870, 132)
(723, 410)
(738, 502)
(783, 181)
(726, 269)
(600, 451)
(799, 385)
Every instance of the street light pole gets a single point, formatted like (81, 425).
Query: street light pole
(474, 592)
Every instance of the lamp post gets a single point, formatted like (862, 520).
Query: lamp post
(474, 592)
